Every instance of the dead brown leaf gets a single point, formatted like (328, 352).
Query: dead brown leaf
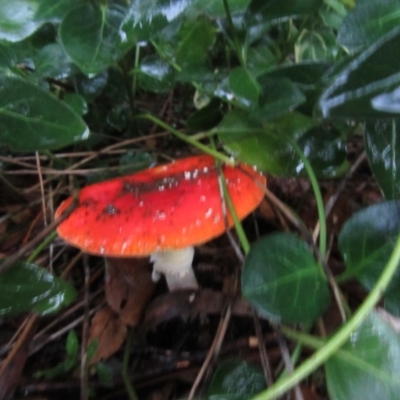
(110, 332)
(188, 303)
(128, 287)
(11, 368)
(265, 210)
(19, 213)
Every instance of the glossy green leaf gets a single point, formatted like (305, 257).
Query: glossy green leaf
(367, 366)
(283, 281)
(315, 46)
(244, 86)
(236, 379)
(325, 148)
(7, 57)
(268, 146)
(205, 118)
(155, 75)
(55, 10)
(368, 22)
(17, 19)
(52, 62)
(90, 88)
(21, 55)
(260, 59)
(145, 19)
(278, 96)
(259, 145)
(215, 8)
(195, 38)
(383, 151)
(333, 13)
(27, 287)
(368, 85)
(272, 11)
(306, 74)
(366, 242)
(76, 102)
(32, 119)
(91, 36)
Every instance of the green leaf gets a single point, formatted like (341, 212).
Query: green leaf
(205, 118)
(278, 96)
(76, 102)
(155, 75)
(32, 119)
(368, 85)
(315, 46)
(367, 366)
(70, 362)
(16, 57)
(17, 19)
(27, 287)
(366, 242)
(273, 11)
(383, 151)
(105, 374)
(7, 57)
(195, 40)
(325, 148)
(368, 22)
(55, 10)
(259, 59)
(266, 146)
(333, 13)
(283, 281)
(236, 379)
(306, 74)
(72, 345)
(216, 9)
(244, 86)
(91, 36)
(52, 62)
(145, 19)
(90, 88)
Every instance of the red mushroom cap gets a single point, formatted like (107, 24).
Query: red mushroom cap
(162, 208)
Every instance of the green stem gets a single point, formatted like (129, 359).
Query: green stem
(125, 367)
(42, 246)
(236, 221)
(187, 139)
(134, 78)
(234, 34)
(303, 338)
(340, 338)
(318, 198)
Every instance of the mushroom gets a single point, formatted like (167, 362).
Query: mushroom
(163, 212)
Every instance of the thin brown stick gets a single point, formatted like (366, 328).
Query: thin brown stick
(214, 349)
(85, 333)
(40, 176)
(263, 353)
(20, 341)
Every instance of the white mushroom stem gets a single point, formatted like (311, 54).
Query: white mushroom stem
(176, 265)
